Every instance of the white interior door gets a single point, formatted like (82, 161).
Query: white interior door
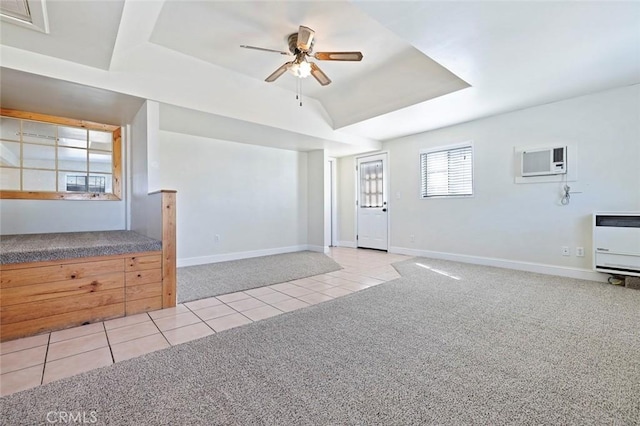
(372, 202)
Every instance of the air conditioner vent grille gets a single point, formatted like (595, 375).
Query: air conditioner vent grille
(18, 9)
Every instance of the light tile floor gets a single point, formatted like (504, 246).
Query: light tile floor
(31, 361)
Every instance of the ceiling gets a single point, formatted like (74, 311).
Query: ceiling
(360, 90)
(427, 64)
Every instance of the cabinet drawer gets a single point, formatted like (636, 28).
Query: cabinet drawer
(143, 305)
(143, 277)
(63, 305)
(71, 271)
(143, 291)
(68, 288)
(61, 321)
(141, 263)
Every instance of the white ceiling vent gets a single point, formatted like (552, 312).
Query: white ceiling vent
(18, 9)
(25, 13)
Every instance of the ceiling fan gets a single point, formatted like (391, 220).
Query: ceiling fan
(301, 46)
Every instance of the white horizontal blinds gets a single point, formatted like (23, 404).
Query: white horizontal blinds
(371, 184)
(447, 172)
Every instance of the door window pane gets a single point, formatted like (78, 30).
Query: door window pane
(371, 184)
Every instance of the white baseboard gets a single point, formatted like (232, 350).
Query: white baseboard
(350, 244)
(201, 260)
(563, 271)
(319, 249)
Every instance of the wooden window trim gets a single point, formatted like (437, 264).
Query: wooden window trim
(89, 125)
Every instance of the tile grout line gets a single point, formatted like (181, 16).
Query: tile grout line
(273, 306)
(194, 313)
(44, 363)
(187, 325)
(83, 351)
(113, 360)
(237, 311)
(132, 325)
(157, 328)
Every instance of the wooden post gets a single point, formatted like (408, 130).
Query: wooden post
(169, 281)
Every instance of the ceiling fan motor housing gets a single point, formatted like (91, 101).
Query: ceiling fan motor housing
(301, 45)
(293, 44)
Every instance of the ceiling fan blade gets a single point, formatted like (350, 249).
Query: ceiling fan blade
(317, 73)
(277, 73)
(338, 56)
(305, 38)
(265, 49)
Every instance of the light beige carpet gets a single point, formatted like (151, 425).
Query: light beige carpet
(214, 279)
(446, 344)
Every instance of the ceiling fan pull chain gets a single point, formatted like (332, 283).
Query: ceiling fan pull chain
(299, 90)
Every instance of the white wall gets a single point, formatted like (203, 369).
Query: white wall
(346, 176)
(330, 203)
(254, 198)
(143, 133)
(46, 216)
(519, 225)
(153, 147)
(317, 164)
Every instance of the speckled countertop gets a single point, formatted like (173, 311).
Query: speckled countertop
(56, 246)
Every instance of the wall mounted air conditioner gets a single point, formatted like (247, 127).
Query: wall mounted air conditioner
(616, 243)
(544, 161)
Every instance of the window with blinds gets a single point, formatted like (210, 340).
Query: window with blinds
(447, 171)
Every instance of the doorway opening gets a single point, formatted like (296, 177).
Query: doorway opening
(372, 203)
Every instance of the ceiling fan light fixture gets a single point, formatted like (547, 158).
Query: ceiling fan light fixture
(301, 46)
(301, 69)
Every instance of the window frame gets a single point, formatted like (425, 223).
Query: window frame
(116, 159)
(452, 147)
(379, 182)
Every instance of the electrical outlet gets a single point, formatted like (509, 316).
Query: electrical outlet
(565, 251)
(413, 238)
(580, 251)
(216, 238)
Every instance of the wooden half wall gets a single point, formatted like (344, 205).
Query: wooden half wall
(169, 260)
(38, 297)
(154, 214)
